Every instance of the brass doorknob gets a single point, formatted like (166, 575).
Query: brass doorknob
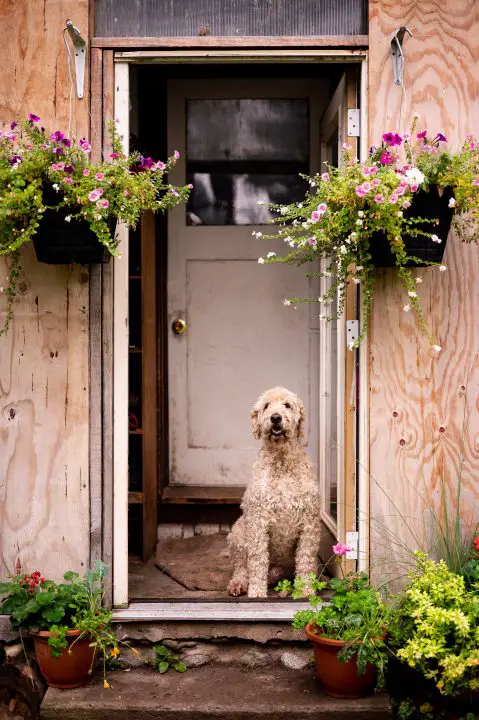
(178, 326)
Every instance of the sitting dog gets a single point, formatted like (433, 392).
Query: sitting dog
(278, 532)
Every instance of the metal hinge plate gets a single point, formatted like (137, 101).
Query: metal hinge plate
(352, 539)
(353, 122)
(352, 332)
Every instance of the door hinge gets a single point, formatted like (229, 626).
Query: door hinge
(352, 539)
(352, 332)
(353, 122)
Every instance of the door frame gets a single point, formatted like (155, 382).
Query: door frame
(119, 400)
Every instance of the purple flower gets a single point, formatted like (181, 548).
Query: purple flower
(115, 155)
(15, 159)
(386, 159)
(57, 136)
(422, 135)
(33, 118)
(176, 155)
(146, 163)
(13, 124)
(85, 145)
(68, 169)
(441, 138)
(312, 241)
(58, 151)
(389, 138)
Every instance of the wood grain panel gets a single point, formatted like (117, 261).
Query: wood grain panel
(424, 420)
(44, 485)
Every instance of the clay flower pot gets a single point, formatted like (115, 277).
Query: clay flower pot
(339, 679)
(70, 670)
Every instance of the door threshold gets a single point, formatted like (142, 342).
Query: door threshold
(236, 611)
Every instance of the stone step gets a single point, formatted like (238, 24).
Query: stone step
(209, 693)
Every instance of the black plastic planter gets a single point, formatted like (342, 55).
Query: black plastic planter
(59, 242)
(428, 205)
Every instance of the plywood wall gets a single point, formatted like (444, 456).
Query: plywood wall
(424, 421)
(44, 486)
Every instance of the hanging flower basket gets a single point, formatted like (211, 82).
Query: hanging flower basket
(62, 239)
(431, 205)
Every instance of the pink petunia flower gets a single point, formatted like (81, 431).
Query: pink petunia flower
(126, 193)
(422, 135)
(315, 216)
(386, 158)
(373, 170)
(406, 204)
(190, 186)
(95, 194)
(115, 155)
(103, 203)
(393, 198)
(322, 207)
(86, 172)
(85, 145)
(414, 187)
(325, 177)
(472, 145)
(379, 199)
(475, 181)
(100, 176)
(312, 241)
(176, 155)
(68, 180)
(360, 191)
(375, 182)
(33, 118)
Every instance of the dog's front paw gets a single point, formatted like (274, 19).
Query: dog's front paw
(237, 587)
(257, 591)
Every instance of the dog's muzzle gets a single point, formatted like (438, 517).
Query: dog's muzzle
(277, 430)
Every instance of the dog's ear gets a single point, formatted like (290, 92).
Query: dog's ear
(254, 421)
(300, 427)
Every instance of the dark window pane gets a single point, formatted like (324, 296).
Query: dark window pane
(243, 155)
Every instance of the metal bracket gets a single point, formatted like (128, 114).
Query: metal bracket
(79, 47)
(397, 54)
(352, 539)
(353, 122)
(352, 332)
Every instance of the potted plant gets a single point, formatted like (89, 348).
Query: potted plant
(68, 624)
(348, 631)
(434, 635)
(51, 193)
(393, 209)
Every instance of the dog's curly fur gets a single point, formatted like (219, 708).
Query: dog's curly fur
(279, 530)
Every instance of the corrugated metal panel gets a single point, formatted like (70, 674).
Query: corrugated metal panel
(185, 18)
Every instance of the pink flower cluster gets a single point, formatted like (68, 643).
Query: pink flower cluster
(341, 549)
(317, 214)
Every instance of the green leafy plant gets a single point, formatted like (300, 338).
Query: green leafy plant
(35, 603)
(436, 627)
(355, 612)
(120, 187)
(352, 207)
(165, 659)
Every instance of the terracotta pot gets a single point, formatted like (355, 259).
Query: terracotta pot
(339, 679)
(70, 670)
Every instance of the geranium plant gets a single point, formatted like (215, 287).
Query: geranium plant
(351, 210)
(35, 604)
(354, 612)
(33, 161)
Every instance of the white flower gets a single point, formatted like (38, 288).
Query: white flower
(356, 281)
(412, 294)
(320, 299)
(1, 289)
(442, 268)
(291, 243)
(350, 346)
(437, 348)
(286, 302)
(359, 222)
(300, 205)
(419, 280)
(354, 234)
(312, 183)
(283, 210)
(452, 202)
(56, 187)
(271, 254)
(406, 308)
(68, 218)
(400, 213)
(415, 176)
(343, 249)
(261, 261)
(359, 268)
(305, 224)
(259, 234)
(436, 239)
(361, 213)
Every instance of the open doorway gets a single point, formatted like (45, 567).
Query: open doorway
(208, 331)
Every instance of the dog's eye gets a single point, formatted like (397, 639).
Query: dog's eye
(287, 405)
(266, 406)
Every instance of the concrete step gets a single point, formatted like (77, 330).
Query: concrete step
(209, 693)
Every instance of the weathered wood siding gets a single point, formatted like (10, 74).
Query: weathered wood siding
(44, 485)
(424, 417)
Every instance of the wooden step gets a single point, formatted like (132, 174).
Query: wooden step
(202, 495)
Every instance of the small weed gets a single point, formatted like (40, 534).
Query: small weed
(166, 659)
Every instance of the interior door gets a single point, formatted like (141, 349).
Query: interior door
(246, 142)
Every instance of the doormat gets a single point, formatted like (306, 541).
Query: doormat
(200, 562)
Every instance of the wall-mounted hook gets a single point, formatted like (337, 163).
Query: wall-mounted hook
(397, 54)
(79, 48)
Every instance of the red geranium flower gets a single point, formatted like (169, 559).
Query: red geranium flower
(475, 542)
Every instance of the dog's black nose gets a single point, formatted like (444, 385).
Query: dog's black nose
(276, 419)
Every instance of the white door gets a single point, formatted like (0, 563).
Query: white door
(246, 141)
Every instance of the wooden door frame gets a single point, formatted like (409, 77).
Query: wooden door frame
(109, 336)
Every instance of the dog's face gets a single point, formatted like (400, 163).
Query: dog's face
(278, 416)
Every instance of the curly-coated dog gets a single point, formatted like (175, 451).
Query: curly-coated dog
(278, 532)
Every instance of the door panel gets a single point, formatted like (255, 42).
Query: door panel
(240, 339)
